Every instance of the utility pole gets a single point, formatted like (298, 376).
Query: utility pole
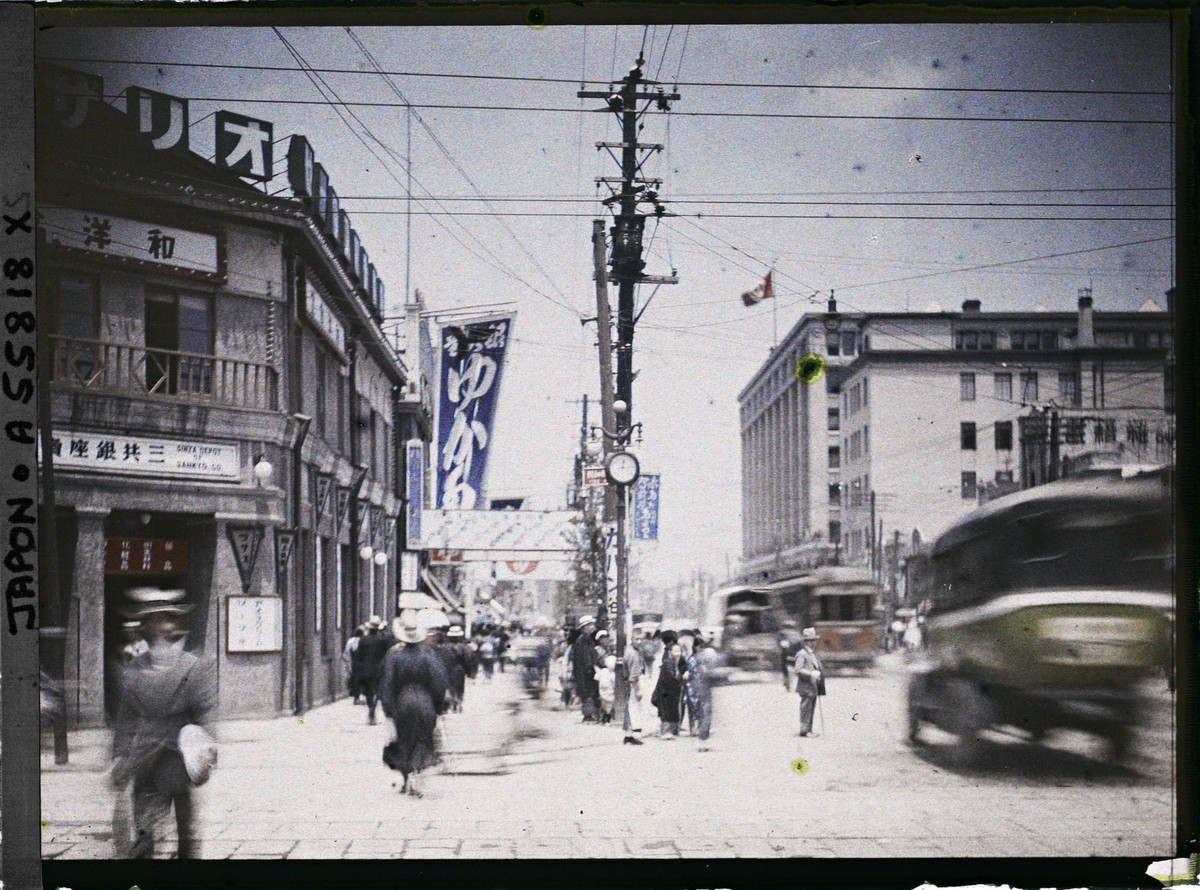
(627, 266)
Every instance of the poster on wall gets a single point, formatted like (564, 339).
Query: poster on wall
(472, 359)
(253, 624)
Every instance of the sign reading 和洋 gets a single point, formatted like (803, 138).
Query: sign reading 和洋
(472, 359)
(197, 253)
(102, 453)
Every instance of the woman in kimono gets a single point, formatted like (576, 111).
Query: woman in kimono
(698, 690)
(412, 691)
(667, 692)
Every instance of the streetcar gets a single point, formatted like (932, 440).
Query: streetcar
(840, 602)
(1046, 610)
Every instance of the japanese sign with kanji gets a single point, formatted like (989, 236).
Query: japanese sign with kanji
(145, 556)
(130, 239)
(100, 452)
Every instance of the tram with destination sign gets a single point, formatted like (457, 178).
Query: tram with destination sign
(1046, 609)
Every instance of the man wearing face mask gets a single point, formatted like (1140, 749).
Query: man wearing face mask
(161, 691)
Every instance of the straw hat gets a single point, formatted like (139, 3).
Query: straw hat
(375, 622)
(411, 631)
(455, 631)
(585, 621)
(809, 633)
(148, 600)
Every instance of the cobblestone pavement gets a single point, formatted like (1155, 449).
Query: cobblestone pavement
(525, 779)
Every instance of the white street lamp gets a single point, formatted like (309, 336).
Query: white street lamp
(365, 552)
(263, 470)
(620, 407)
(381, 558)
(594, 448)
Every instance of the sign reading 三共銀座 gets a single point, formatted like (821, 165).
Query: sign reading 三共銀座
(196, 253)
(102, 453)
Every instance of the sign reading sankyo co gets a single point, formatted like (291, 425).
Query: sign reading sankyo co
(102, 453)
(196, 253)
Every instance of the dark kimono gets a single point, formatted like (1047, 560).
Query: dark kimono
(583, 663)
(412, 691)
(668, 691)
(459, 662)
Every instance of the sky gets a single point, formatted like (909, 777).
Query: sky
(819, 131)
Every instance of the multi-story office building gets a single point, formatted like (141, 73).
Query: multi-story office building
(920, 416)
(223, 403)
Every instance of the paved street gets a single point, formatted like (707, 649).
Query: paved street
(528, 780)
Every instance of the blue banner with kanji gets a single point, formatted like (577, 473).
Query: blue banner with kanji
(472, 357)
(645, 508)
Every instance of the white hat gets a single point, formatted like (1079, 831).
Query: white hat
(601, 633)
(199, 751)
(411, 631)
(809, 633)
(375, 621)
(454, 631)
(586, 620)
(147, 600)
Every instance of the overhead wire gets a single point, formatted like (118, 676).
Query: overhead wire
(462, 172)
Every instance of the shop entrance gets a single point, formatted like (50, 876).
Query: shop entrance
(143, 550)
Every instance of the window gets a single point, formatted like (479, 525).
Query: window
(1032, 341)
(966, 387)
(1068, 387)
(835, 457)
(834, 418)
(835, 530)
(1004, 477)
(177, 323)
(319, 585)
(1004, 437)
(864, 392)
(322, 379)
(831, 344)
(866, 443)
(969, 492)
(835, 493)
(77, 301)
(1029, 386)
(848, 343)
(966, 436)
(1003, 387)
(975, 340)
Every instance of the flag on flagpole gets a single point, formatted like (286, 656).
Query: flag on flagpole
(762, 292)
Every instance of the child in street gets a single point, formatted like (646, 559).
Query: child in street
(607, 678)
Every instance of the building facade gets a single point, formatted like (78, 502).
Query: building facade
(224, 409)
(929, 414)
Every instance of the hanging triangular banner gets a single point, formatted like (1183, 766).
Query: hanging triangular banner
(364, 525)
(343, 507)
(377, 528)
(285, 542)
(245, 540)
(324, 486)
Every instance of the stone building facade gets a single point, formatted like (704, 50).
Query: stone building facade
(224, 412)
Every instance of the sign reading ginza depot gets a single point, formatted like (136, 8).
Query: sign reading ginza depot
(103, 453)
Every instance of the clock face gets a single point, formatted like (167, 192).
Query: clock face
(622, 468)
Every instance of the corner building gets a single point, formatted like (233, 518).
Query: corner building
(223, 413)
(920, 417)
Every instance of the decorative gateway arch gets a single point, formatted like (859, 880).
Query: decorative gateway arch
(522, 545)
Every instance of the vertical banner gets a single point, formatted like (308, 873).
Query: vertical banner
(472, 359)
(415, 474)
(610, 572)
(645, 508)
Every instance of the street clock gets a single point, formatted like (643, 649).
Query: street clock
(622, 468)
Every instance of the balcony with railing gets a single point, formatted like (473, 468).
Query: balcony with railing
(103, 366)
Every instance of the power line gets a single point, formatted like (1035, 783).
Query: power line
(823, 216)
(1056, 91)
(758, 115)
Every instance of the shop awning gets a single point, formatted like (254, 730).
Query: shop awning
(441, 592)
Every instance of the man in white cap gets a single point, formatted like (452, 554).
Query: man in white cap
(162, 691)
(810, 678)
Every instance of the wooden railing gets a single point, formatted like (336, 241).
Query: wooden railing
(136, 370)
